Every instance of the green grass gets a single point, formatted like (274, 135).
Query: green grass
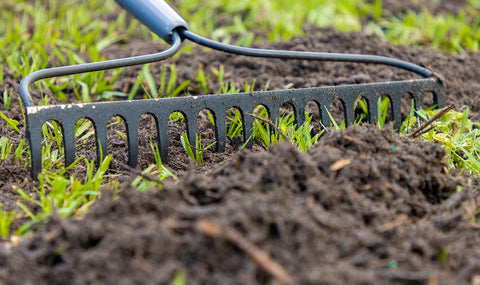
(6, 219)
(166, 88)
(35, 37)
(12, 124)
(63, 196)
(459, 135)
(451, 33)
(281, 20)
(196, 151)
(6, 100)
(302, 137)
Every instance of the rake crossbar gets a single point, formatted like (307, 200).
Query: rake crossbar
(100, 113)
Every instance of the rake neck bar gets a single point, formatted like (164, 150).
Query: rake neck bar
(94, 66)
(161, 19)
(305, 55)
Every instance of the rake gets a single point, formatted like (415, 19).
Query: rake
(159, 17)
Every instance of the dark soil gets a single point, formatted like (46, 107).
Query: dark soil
(363, 206)
(390, 215)
(398, 8)
(460, 72)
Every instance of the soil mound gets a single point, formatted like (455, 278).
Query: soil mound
(364, 206)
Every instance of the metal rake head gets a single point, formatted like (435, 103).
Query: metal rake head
(161, 18)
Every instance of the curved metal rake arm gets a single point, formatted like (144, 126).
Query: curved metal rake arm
(94, 66)
(160, 18)
(291, 54)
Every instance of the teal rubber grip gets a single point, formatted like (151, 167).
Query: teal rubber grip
(157, 15)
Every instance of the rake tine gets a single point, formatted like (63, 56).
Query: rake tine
(324, 117)
(372, 107)
(418, 100)
(220, 129)
(68, 129)
(299, 111)
(440, 97)
(191, 121)
(247, 122)
(396, 101)
(102, 142)
(273, 115)
(35, 136)
(349, 115)
(162, 126)
(132, 135)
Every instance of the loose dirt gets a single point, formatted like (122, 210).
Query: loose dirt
(364, 206)
(399, 8)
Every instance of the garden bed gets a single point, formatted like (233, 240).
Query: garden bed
(363, 206)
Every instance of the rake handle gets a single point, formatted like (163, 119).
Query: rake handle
(158, 16)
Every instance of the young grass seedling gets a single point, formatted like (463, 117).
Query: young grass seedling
(261, 128)
(285, 128)
(133, 91)
(220, 74)
(152, 86)
(234, 124)
(302, 137)
(382, 111)
(6, 219)
(7, 100)
(457, 133)
(51, 159)
(180, 278)
(83, 131)
(11, 123)
(164, 89)
(22, 152)
(202, 80)
(410, 120)
(152, 176)
(52, 132)
(194, 152)
(333, 123)
(61, 195)
(363, 115)
(5, 148)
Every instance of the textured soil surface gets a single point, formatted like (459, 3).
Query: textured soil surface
(434, 7)
(364, 206)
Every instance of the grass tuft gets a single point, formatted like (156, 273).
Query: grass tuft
(61, 195)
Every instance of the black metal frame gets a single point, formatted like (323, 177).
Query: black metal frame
(99, 113)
